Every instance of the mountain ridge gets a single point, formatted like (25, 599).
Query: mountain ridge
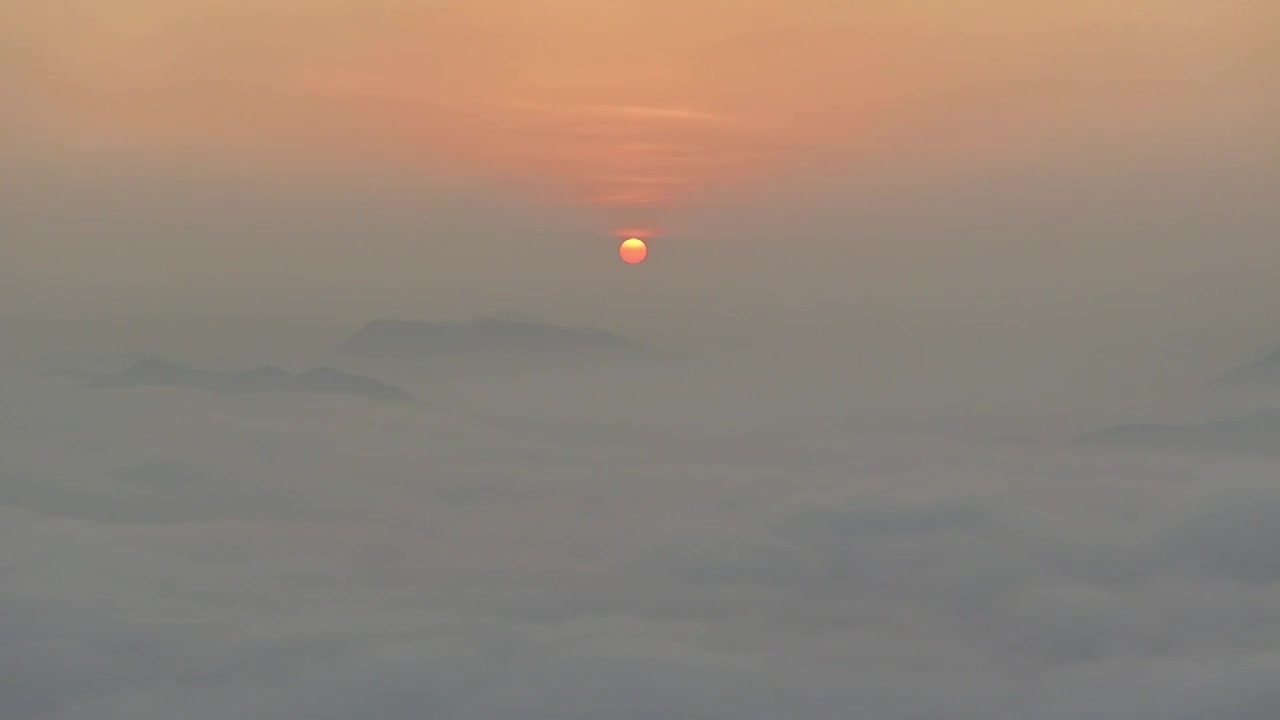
(1262, 372)
(1254, 433)
(486, 336)
(156, 372)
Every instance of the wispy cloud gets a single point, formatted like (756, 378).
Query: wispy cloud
(624, 111)
(645, 111)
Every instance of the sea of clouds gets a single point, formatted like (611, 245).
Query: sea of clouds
(621, 540)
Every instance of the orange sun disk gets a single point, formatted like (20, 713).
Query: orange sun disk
(633, 250)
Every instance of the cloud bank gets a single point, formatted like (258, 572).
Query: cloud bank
(658, 549)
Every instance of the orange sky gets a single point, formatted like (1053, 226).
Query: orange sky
(792, 158)
(618, 103)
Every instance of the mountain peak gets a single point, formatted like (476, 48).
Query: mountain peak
(1263, 372)
(322, 381)
(505, 336)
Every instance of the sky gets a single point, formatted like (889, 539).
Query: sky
(901, 255)
(884, 172)
(1064, 153)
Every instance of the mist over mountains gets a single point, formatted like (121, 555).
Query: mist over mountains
(1255, 432)
(1262, 374)
(909, 413)
(411, 346)
(481, 338)
(706, 535)
(154, 372)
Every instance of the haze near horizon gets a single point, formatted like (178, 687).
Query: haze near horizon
(949, 384)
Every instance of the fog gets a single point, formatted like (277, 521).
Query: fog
(949, 387)
(662, 531)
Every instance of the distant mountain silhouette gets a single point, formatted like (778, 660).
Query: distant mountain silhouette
(1261, 373)
(89, 365)
(1255, 433)
(319, 381)
(498, 337)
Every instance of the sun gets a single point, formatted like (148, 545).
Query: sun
(633, 251)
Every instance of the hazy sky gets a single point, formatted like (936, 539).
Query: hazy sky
(1095, 166)
(902, 254)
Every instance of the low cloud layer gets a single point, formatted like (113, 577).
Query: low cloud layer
(654, 550)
